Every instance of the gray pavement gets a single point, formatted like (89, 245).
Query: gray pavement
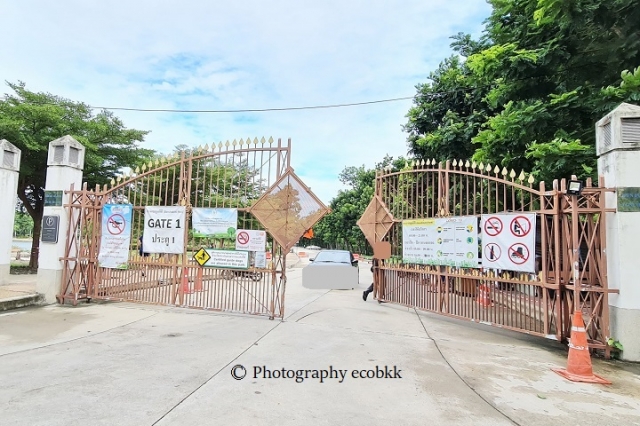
(130, 364)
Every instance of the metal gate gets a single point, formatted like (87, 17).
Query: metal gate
(252, 176)
(571, 232)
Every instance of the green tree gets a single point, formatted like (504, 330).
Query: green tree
(530, 90)
(31, 120)
(22, 225)
(339, 229)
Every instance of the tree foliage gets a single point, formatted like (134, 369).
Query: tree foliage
(31, 120)
(339, 229)
(526, 95)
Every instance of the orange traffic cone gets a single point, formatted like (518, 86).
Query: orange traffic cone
(579, 363)
(198, 283)
(185, 281)
(483, 296)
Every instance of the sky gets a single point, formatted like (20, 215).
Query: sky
(242, 54)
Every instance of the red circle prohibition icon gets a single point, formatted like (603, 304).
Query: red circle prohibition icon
(518, 253)
(493, 226)
(520, 226)
(492, 252)
(243, 237)
(115, 224)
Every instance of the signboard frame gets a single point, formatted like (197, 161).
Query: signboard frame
(53, 198)
(50, 229)
(213, 253)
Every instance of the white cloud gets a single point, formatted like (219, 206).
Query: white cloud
(239, 55)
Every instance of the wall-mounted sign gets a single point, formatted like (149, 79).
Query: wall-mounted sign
(628, 199)
(52, 198)
(50, 229)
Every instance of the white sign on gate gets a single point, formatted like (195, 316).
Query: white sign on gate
(164, 229)
(451, 241)
(260, 259)
(214, 223)
(251, 240)
(115, 236)
(509, 241)
(228, 259)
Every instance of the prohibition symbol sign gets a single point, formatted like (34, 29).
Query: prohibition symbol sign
(518, 253)
(520, 226)
(115, 224)
(243, 238)
(492, 252)
(493, 226)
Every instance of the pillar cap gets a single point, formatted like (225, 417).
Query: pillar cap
(9, 156)
(619, 130)
(66, 151)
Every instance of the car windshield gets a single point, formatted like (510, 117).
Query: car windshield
(333, 257)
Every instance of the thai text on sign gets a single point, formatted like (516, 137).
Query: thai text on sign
(441, 241)
(164, 229)
(115, 236)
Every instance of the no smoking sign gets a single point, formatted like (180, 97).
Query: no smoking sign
(251, 240)
(243, 238)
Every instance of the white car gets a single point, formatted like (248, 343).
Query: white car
(331, 269)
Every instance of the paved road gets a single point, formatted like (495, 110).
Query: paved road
(128, 364)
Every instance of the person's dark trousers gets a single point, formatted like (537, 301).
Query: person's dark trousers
(365, 293)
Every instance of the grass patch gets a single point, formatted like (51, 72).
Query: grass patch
(21, 269)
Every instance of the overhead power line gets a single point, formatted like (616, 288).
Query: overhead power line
(201, 111)
(431, 95)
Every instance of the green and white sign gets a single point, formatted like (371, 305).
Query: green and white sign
(449, 241)
(215, 223)
(235, 259)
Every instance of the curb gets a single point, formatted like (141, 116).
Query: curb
(20, 302)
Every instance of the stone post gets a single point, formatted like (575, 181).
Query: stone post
(618, 149)
(64, 167)
(9, 171)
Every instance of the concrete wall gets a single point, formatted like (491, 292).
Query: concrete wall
(619, 164)
(9, 169)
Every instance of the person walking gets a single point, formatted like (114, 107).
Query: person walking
(374, 266)
(142, 254)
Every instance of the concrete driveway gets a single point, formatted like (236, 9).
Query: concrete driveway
(127, 364)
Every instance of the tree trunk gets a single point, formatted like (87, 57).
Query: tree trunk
(35, 211)
(35, 242)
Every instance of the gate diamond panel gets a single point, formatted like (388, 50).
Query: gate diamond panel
(288, 209)
(375, 221)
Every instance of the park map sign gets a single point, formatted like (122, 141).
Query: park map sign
(449, 241)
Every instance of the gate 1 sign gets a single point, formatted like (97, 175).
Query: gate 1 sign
(509, 241)
(449, 241)
(164, 229)
(115, 236)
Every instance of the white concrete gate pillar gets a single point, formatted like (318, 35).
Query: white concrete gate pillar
(9, 172)
(64, 167)
(618, 148)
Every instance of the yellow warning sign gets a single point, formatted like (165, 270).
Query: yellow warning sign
(201, 257)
